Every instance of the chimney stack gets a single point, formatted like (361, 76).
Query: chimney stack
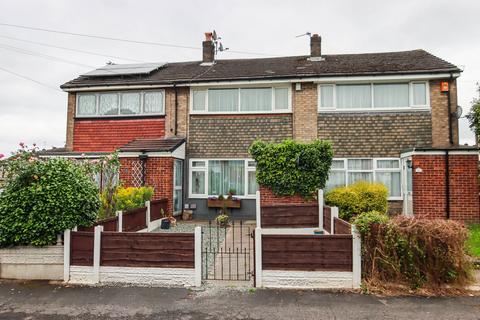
(315, 46)
(208, 49)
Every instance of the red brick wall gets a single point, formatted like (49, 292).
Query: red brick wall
(107, 135)
(429, 187)
(267, 197)
(159, 175)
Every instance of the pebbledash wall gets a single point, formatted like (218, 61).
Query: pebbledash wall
(430, 185)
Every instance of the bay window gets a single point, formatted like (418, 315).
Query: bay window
(125, 103)
(344, 172)
(240, 100)
(373, 96)
(219, 177)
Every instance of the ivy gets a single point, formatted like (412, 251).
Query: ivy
(290, 167)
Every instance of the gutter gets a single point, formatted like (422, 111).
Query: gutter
(447, 183)
(176, 109)
(449, 108)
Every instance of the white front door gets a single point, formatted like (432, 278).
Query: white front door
(407, 186)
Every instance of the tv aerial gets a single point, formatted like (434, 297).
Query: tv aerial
(217, 43)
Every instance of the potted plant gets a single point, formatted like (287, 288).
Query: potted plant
(167, 220)
(222, 220)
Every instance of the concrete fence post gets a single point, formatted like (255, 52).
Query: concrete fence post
(97, 247)
(258, 257)
(334, 215)
(356, 258)
(198, 256)
(147, 215)
(257, 209)
(120, 220)
(66, 255)
(320, 209)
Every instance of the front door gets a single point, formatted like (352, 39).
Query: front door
(177, 185)
(407, 189)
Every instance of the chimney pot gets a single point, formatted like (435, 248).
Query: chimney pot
(315, 46)
(208, 49)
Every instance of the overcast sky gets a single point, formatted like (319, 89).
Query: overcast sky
(30, 112)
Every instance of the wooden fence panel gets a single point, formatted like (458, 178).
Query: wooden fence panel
(341, 226)
(109, 224)
(327, 219)
(134, 220)
(81, 248)
(290, 216)
(161, 250)
(307, 252)
(156, 207)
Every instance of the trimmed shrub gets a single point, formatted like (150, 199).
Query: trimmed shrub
(358, 198)
(132, 198)
(418, 253)
(43, 197)
(290, 167)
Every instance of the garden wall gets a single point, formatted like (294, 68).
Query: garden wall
(32, 263)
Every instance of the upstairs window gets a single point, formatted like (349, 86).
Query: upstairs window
(373, 96)
(127, 103)
(241, 100)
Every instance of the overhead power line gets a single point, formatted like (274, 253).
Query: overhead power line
(30, 79)
(172, 45)
(71, 49)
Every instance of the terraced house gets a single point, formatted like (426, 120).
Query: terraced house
(185, 127)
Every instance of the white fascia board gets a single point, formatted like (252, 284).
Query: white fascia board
(118, 87)
(438, 152)
(178, 153)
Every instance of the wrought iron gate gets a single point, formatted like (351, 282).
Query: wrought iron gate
(227, 251)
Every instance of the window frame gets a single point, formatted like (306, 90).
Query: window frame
(410, 106)
(239, 88)
(205, 168)
(119, 97)
(374, 171)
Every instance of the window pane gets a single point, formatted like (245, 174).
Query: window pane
(338, 164)
(252, 164)
(359, 176)
(281, 98)
(226, 175)
(419, 94)
(87, 105)
(256, 99)
(390, 95)
(153, 102)
(198, 182)
(178, 173)
(199, 100)
(360, 164)
(388, 164)
(130, 103)
(326, 96)
(391, 180)
(252, 182)
(222, 100)
(177, 200)
(198, 163)
(354, 96)
(108, 104)
(335, 179)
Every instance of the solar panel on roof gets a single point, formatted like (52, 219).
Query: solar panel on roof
(124, 69)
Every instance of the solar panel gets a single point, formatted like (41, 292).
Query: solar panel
(124, 69)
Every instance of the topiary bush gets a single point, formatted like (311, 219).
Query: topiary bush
(417, 253)
(290, 167)
(358, 198)
(43, 197)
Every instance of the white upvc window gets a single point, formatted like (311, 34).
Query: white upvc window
(373, 96)
(244, 100)
(120, 104)
(214, 177)
(344, 172)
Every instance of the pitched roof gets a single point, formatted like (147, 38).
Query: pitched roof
(387, 63)
(152, 145)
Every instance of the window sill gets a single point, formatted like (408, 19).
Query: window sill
(402, 110)
(119, 117)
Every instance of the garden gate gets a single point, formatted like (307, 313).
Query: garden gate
(227, 251)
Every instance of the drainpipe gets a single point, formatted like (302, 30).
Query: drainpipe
(143, 157)
(450, 129)
(176, 109)
(447, 183)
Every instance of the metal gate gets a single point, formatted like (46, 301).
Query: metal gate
(227, 251)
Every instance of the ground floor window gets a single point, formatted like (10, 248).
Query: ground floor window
(384, 170)
(214, 177)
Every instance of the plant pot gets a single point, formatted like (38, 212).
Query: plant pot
(165, 223)
(187, 215)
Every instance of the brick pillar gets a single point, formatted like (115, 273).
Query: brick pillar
(305, 112)
(70, 119)
(182, 111)
(439, 103)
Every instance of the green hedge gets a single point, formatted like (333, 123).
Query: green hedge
(291, 167)
(358, 198)
(43, 197)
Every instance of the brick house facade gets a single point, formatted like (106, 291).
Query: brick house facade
(373, 107)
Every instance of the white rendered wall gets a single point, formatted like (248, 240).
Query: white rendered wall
(307, 279)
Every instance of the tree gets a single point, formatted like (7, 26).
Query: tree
(473, 116)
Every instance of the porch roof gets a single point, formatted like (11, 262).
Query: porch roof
(152, 145)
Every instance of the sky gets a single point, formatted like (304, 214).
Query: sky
(36, 113)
